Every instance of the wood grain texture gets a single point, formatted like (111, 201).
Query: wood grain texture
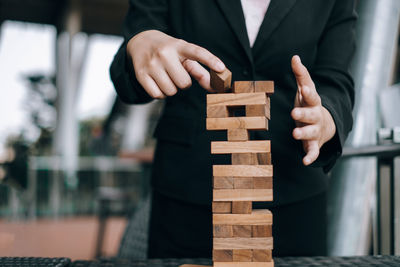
(262, 230)
(257, 217)
(222, 255)
(217, 112)
(262, 255)
(222, 207)
(244, 159)
(244, 264)
(243, 87)
(242, 207)
(242, 195)
(258, 111)
(264, 158)
(243, 243)
(238, 135)
(242, 255)
(222, 231)
(230, 99)
(223, 182)
(242, 170)
(242, 230)
(243, 183)
(226, 147)
(264, 86)
(262, 183)
(250, 123)
(220, 81)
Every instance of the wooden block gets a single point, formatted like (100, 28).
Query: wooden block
(243, 243)
(242, 255)
(242, 195)
(264, 86)
(257, 217)
(243, 87)
(242, 207)
(222, 255)
(258, 111)
(264, 158)
(220, 81)
(194, 265)
(262, 230)
(238, 135)
(250, 123)
(224, 147)
(222, 231)
(244, 264)
(236, 99)
(217, 112)
(262, 183)
(242, 170)
(244, 159)
(243, 183)
(262, 255)
(242, 230)
(222, 207)
(223, 182)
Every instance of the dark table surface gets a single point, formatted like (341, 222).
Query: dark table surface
(364, 261)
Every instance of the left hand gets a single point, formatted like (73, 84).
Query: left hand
(314, 123)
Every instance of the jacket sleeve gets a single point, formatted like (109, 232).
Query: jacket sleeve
(332, 79)
(142, 15)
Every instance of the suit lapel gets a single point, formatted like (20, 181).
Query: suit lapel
(277, 10)
(232, 10)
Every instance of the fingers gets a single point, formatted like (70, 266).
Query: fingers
(310, 96)
(177, 73)
(301, 73)
(309, 115)
(150, 86)
(164, 82)
(199, 73)
(309, 132)
(312, 150)
(202, 55)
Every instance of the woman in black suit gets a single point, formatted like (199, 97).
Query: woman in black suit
(168, 47)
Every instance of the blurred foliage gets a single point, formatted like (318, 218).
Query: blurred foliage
(95, 141)
(15, 165)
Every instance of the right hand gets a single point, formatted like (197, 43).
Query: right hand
(163, 63)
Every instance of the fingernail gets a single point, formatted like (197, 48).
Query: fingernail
(297, 133)
(220, 66)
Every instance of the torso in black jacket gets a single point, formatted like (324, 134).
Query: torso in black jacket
(319, 31)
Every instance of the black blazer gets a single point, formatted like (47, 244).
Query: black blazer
(320, 31)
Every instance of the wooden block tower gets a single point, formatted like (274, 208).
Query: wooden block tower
(242, 236)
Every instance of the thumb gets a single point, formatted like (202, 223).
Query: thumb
(199, 73)
(303, 78)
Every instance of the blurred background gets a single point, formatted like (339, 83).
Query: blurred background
(75, 161)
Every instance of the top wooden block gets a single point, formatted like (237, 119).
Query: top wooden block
(253, 87)
(236, 99)
(220, 81)
(264, 86)
(243, 87)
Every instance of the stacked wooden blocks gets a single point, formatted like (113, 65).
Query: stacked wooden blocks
(242, 236)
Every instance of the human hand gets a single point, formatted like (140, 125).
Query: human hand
(163, 64)
(314, 123)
